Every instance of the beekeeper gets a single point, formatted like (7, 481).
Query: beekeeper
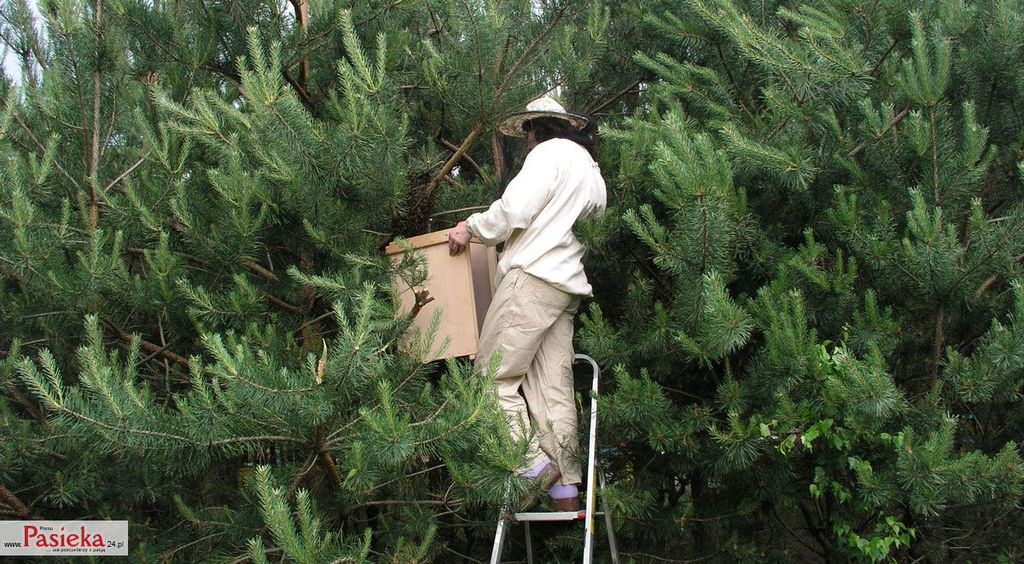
(540, 282)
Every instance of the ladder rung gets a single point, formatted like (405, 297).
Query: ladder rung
(553, 516)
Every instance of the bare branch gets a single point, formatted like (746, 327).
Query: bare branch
(279, 302)
(465, 157)
(474, 133)
(263, 272)
(146, 345)
(127, 172)
(19, 508)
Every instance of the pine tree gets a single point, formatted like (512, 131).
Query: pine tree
(198, 325)
(807, 283)
(817, 353)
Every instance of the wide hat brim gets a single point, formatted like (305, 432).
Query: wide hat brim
(513, 124)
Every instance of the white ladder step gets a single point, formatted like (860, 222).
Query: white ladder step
(553, 516)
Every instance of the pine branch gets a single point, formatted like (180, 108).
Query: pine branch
(110, 123)
(389, 6)
(940, 341)
(408, 476)
(146, 345)
(313, 321)
(260, 270)
(302, 18)
(94, 162)
(131, 430)
(629, 89)
(892, 123)
(167, 556)
(793, 534)
(268, 551)
(461, 556)
(450, 430)
(220, 36)
(393, 502)
(20, 509)
(735, 85)
(279, 302)
(503, 55)
(172, 51)
(309, 45)
(432, 416)
(465, 156)
(127, 172)
(309, 463)
(299, 89)
(332, 469)
(878, 65)
(474, 133)
(537, 41)
(29, 407)
(42, 148)
(252, 439)
(799, 102)
(816, 531)
(498, 155)
(645, 557)
(995, 249)
(336, 436)
(270, 390)
(473, 24)
(935, 157)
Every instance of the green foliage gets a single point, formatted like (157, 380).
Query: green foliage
(807, 282)
(302, 538)
(194, 200)
(818, 277)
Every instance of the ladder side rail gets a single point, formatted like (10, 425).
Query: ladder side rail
(613, 545)
(499, 537)
(529, 543)
(588, 527)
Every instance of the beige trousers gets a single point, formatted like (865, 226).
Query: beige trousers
(529, 323)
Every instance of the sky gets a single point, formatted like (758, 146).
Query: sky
(11, 66)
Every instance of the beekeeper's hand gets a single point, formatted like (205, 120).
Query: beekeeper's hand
(458, 239)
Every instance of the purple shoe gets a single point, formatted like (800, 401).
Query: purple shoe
(538, 480)
(564, 498)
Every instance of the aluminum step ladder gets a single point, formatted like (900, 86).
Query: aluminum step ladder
(505, 520)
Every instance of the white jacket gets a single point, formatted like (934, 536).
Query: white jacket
(558, 185)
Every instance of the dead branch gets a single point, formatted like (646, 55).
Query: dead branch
(423, 298)
(332, 469)
(465, 157)
(631, 88)
(127, 172)
(474, 133)
(279, 302)
(263, 272)
(10, 500)
(145, 345)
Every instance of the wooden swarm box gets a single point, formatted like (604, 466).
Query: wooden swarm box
(461, 286)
